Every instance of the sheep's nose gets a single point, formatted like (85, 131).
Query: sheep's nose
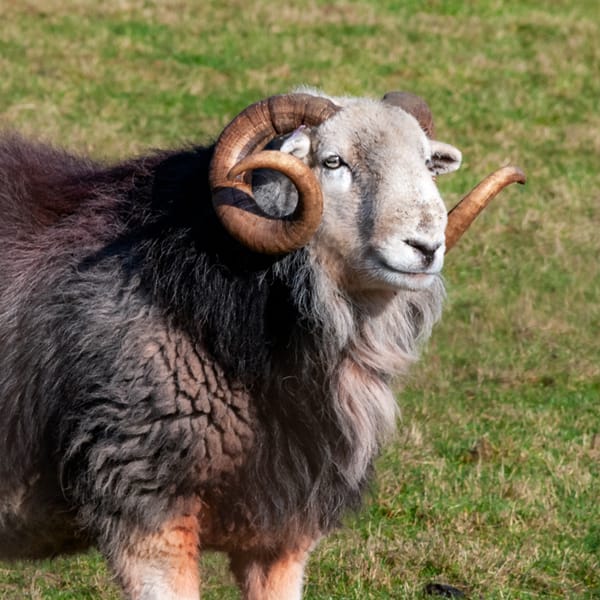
(426, 249)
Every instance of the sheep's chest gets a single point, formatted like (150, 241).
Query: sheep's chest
(199, 408)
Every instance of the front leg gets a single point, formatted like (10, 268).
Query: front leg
(271, 575)
(162, 565)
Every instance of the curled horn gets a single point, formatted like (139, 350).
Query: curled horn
(238, 150)
(414, 105)
(465, 212)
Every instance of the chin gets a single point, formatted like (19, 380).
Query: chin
(400, 282)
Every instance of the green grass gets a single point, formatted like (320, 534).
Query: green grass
(493, 483)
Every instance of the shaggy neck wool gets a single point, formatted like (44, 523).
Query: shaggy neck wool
(328, 406)
(365, 343)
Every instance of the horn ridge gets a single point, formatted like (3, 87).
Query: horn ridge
(249, 132)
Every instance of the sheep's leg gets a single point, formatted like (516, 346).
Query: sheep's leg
(161, 565)
(268, 577)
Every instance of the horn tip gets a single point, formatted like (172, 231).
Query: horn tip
(515, 174)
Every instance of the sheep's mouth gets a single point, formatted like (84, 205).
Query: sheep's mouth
(382, 262)
(394, 277)
(409, 280)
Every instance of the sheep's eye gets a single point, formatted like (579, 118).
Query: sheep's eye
(429, 163)
(333, 162)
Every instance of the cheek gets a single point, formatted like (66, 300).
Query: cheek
(336, 183)
(340, 211)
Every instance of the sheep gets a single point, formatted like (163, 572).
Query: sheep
(196, 358)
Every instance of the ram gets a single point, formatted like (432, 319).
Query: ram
(196, 358)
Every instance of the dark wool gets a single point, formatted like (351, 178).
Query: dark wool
(146, 358)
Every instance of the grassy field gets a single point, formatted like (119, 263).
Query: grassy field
(493, 483)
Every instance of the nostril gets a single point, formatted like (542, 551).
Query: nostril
(426, 249)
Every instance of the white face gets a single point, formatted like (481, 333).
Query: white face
(383, 215)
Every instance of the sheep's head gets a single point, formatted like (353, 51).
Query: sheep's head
(364, 171)
(383, 219)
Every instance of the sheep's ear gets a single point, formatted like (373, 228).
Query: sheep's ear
(444, 158)
(298, 143)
